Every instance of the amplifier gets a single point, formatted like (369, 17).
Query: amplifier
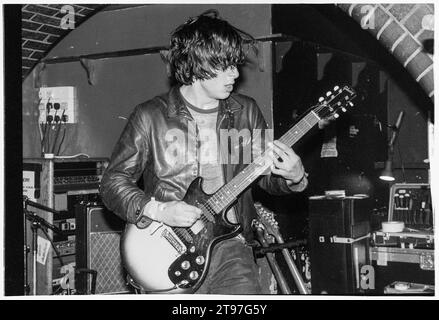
(98, 232)
(339, 244)
(63, 175)
(65, 220)
(78, 175)
(77, 180)
(65, 248)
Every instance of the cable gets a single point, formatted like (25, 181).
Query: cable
(59, 290)
(48, 137)
(39, 114)
(74, 156)
(58, 129)
(402, 162)
(62, 140)
(63, 121)
(41, 129)
(49, 119)
(43, 143)
(49, 148)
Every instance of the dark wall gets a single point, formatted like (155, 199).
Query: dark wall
(123, 82)
(326, 28)
(326, 25)
(331, 48)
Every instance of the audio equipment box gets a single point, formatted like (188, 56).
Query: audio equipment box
(98, 233)
(408, 288)
(339, 243)
(393, 265)
(410, 220)
(64, 174)
(402, 251)
(411, 204)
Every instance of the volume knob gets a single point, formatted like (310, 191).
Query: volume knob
(185, 265)
(193, 275)
(199, 260)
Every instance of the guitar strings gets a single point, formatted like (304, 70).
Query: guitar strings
(256, 166)
(256, 170)
(288, 139)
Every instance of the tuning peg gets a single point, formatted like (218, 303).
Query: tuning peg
(343, 109)
(336, 88)
(328, 93)
(336, 115)
(350, 103)
(321, 99)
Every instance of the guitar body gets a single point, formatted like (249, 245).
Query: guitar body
(163, 259)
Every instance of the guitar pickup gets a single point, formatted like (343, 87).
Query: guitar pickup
(197, 226)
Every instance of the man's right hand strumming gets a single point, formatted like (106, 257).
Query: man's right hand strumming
(173, 213)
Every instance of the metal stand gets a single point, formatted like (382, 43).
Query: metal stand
(37, 223)
(26, 256)
(34, 228)
(259, 229)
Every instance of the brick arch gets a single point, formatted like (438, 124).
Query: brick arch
(406, 30)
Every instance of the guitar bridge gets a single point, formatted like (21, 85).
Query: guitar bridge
(174, 241)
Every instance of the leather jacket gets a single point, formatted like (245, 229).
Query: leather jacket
(141, 150)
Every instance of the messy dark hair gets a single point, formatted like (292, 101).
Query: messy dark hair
(204, 45)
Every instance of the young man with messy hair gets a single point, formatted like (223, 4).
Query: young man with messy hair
(175, 137)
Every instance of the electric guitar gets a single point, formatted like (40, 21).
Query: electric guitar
(163, 259)
(265, 239)
(266, 218)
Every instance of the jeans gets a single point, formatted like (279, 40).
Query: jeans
(232, 270)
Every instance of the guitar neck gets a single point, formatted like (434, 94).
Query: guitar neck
(229, 192)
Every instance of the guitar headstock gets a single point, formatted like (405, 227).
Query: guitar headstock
(266, 217)
(335, 102)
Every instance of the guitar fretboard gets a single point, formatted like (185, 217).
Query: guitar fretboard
(229, 192)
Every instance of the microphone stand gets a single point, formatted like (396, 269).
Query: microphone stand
(26, 255)
(282, 282)
(280, 246)
(37, 223)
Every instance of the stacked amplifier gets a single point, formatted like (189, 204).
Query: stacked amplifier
(98, 260)
(339, 243)
(71, 187)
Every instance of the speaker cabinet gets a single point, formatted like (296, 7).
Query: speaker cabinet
(339, 244)
(98, 250)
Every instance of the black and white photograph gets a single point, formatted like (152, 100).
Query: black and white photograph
(228, 150)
